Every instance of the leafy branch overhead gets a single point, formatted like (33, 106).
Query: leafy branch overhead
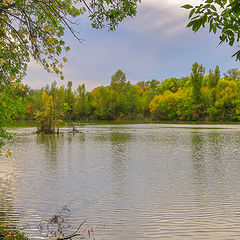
(36, 28)
(221, 15)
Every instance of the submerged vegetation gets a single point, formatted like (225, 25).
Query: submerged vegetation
(198, 97)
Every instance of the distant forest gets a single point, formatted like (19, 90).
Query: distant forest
(198, 97)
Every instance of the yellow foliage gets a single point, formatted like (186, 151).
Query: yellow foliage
(50, 40)
(2, 61)
(166, 106)
(206, 90)
(46, 27)
(11, 78)
(6, 2)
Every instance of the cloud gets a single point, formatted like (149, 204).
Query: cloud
(75, 70)
(153, 45)
(34, 65)
(167, 18)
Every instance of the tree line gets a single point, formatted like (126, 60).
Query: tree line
(198, 97)
(36, 29)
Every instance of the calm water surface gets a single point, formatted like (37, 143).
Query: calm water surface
(146, 181)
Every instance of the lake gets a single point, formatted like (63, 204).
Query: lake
(133, 181)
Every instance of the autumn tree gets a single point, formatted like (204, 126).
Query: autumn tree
(103, 102)
(198, 97)
(49, 116)
(35, 29)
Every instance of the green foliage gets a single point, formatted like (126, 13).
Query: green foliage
(197, 81)
(196, 98)
(48, 118)
(221, 15)
(80, 102)
(171, 84)
(172, 106)
(11, 234)
(232, 74)
(110, 13)
(213, 113)
(227, 99)
(164, 106)
(11, 106)
(69, 100)
(213, 81)
(36, 29)
(118, 79)
(104, 102)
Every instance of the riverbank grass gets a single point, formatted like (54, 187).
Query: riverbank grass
(11, 234)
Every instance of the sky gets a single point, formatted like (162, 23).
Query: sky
(153, 45)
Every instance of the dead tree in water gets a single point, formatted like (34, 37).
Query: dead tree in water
(74, 130)
(78, 232)
(58, 224)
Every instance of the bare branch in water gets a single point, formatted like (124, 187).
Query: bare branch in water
(55, 226)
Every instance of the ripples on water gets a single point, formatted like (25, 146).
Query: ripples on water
(129, 181)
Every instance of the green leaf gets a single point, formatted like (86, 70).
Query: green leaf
(207, 6)
(231, 42)
(191, 13)
(197, 25)
(187, 6)
(214, 28)
(190, 24)
(213, 8)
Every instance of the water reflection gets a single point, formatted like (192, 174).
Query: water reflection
(198, 161)
(119, 146)
(120, 159)
(8, 216)
(140, 181)
(119, 141)
(215, 145)
(81, 137)
(51, 143)
(209, 172)
(48, 141)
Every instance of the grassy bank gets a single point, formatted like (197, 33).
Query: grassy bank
(11, 234)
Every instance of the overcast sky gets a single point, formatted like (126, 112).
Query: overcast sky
(153, 45)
